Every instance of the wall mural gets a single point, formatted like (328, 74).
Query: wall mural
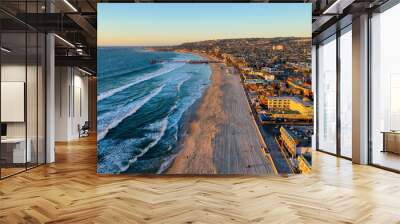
(204, 88)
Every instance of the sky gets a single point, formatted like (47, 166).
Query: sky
(155, 24)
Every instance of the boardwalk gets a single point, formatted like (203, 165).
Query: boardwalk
(238, 148)
(223, 138)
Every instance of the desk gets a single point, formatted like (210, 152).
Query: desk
(13, 150)
(391, 141)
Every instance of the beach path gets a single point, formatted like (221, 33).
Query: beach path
(222, 138)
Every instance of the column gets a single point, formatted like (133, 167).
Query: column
(360, 90)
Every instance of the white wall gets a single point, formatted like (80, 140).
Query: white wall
(71, 102)
(11, 73)
(81, 102)
(16, 73)
(62, 82)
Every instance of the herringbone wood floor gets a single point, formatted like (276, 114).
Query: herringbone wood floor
(70, 191)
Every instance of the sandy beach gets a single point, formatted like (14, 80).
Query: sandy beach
(222, 137)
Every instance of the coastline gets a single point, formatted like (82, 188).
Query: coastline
(213, 142)
(188, 117)
(193, 136)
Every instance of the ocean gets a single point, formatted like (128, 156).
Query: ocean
(141, 107)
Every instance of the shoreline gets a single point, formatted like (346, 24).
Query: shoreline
(183, 130)
(190, 128)
(188, 117)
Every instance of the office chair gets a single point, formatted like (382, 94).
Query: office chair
(84, 130)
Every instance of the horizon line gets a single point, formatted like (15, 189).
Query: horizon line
(173, 45)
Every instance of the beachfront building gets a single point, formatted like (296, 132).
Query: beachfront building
(297, 139)
(290, 103)
(288, 140)
(303, 164)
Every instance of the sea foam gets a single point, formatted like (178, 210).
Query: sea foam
(111, 120)
(165, 69)
(122, 156)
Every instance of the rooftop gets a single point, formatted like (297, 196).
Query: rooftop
(295, 98)
(301, 133)
(301, 84)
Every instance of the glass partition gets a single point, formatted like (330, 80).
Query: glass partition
(385, 89)
(22, 77)
(346, 92)
(13, 108)
(327, 95)
(31, 98)
(41, 97)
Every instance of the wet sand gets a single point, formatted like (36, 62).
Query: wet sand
(222, 137)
